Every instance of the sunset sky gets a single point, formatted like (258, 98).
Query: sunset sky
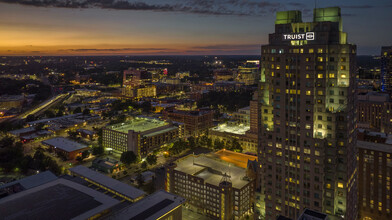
(189, 27)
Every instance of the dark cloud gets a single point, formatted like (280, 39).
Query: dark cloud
(227, 47)
(358, 6)
(205, 7)
(112, 49)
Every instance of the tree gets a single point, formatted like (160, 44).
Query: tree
(192, 142)
(235, 146)
(98, 150)
(30, 118)
(151, 159)
(146, 106)
(49, 114)
(77, 110)
(79, 158)
(128, 157)
(86, 111)
(144, 165)
(85, 154)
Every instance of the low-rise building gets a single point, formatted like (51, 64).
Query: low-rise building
(109, 184)
(57, 199)
(233, 131)
(106, 165)
(140, 135)
(65, 147)
(159, 205)
(214, 187)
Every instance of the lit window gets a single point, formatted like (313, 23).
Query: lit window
(332, 75)
(340, 185)
(308, 92)
(311, 51)
(320, 75)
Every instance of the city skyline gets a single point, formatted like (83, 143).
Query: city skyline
(171, 28)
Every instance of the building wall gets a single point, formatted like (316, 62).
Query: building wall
(375, 171)
(194, 124)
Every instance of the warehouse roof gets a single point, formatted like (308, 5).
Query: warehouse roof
(151, 207)
(115, 185)
(64, 144)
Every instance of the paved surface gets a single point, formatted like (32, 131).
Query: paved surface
(189, 214)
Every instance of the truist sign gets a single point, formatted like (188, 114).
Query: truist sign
(299, 36)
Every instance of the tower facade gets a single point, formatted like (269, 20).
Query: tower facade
(386, 69)
(307, 133)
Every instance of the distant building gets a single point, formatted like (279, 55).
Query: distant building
(140, 91)
(232, 131)
(140, 135)
(195, 122)
(106, 165)
(386, 69)
(248, 73)
(87, 133)
(11, 101)
(242, 115)
(68, 148)
(374, 111)
(214, 187)
(223, 74)
(159, 205)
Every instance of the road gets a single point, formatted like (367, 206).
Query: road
(43, 106)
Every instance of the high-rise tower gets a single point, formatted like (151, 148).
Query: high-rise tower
(307, 135)
(386, 69)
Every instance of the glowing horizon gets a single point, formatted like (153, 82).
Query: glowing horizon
(171, 27)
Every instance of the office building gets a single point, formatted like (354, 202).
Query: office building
(214, 187)
(140, 135)
(242, 115)
(140, 91)
(375, 111)
(248, 72)
(374, 178)
(195, 122)
(307, 136)
(386, 69)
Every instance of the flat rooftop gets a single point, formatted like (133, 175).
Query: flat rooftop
(234, 129)
(374, 146)
(150, 208)
(64, 144)
(239, 159)
(108, 182)
(202, 165)
(138, 124)
(58, 199)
